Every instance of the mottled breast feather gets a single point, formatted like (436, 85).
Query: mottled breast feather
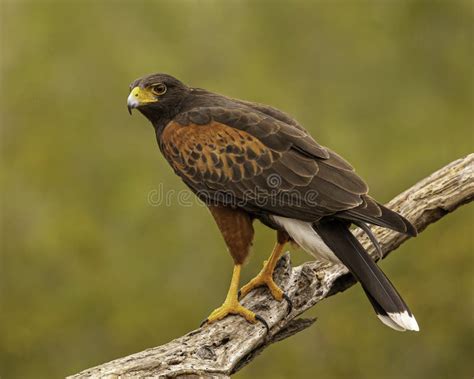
(215, 153)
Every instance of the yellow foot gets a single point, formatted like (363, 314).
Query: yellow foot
(264, 278)
(231, 308)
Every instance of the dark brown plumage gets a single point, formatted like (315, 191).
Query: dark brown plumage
(250, 161)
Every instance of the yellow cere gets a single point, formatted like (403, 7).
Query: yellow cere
(143, 96)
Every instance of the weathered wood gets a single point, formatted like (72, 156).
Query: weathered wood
(220, 349)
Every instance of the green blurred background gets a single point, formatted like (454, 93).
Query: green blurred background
(91, 271)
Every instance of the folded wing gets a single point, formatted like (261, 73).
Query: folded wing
(254, 159)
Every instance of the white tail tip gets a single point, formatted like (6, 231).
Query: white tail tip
(390, 323)
(403, 320)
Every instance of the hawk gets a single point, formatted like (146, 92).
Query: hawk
(249, 161)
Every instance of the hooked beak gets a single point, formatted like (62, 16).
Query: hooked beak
(138, 97)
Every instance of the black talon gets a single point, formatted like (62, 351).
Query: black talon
(238, 295)
(290, 303)
(262, 320)
(203, 323)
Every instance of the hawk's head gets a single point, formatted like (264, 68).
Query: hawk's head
(156, 96)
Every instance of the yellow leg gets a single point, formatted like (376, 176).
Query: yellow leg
(231, 304)
(265, 277)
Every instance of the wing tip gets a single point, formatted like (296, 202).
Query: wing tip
(404, 226)
(410, 228)
(386, 218)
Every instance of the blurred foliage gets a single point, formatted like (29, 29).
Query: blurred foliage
(91, 271)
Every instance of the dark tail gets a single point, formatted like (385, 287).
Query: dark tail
(388, 304)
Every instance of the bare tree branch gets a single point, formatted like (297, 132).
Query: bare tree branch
(220, 349)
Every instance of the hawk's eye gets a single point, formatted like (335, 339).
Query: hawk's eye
(158, 89)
